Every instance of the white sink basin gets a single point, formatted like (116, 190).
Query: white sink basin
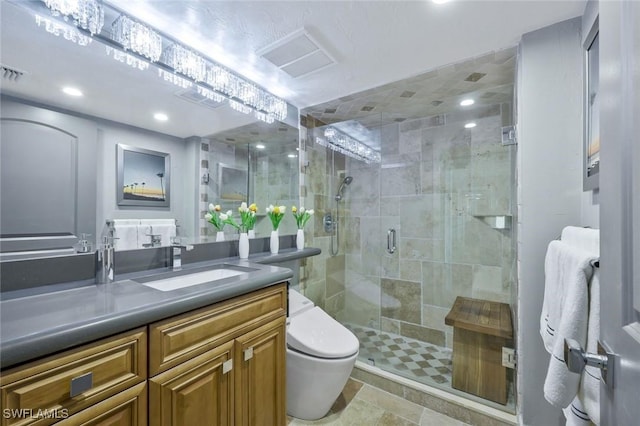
(195, 278)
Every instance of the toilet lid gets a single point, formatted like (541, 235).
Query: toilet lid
(315, 333)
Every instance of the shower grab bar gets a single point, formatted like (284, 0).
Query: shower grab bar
(391, 241)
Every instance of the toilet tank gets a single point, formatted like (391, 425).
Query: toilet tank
(298, 303)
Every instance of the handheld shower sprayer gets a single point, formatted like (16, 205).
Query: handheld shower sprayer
(345, 182)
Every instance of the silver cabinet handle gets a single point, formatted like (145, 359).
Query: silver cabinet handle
(81, 384)
(391, 241)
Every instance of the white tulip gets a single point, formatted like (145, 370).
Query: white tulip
(212, 207)
(282, 209)
(208, 216)
(310, 212)
(243, 206)
(223, 216)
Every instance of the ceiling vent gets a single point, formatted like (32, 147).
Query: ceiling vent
(297, 54)
(11, 74)
(191, 94)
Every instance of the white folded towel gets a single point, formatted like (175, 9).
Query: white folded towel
(127, 236)
(564, 315)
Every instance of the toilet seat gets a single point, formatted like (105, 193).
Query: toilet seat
(315, 333)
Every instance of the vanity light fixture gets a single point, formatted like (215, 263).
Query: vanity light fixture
(345, 144)
(135, 43)
(160, 116)
(467, 102)
(72, 91)
(292, 156)
(470, 125)
(260, 146)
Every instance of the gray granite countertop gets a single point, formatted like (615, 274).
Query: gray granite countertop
(42, 323)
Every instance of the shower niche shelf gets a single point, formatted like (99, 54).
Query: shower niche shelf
(495, 221)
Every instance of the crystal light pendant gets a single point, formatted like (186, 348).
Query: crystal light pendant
(186, 62)
(340, 142)
(86, 14)
(137, 38)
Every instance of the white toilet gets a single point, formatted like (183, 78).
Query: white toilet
(321, 353)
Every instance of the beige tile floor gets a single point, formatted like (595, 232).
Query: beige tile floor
(360, 404)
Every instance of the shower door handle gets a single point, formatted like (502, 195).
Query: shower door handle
(391, 241)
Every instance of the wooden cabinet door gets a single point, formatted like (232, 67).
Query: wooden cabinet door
(196, 392)
(128, 408)
(260, 362)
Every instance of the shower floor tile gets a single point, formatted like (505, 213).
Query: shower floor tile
(405, 355)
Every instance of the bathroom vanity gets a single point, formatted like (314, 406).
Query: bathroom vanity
(128, 353)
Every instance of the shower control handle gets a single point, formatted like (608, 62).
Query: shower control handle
(391, 241)
(328, 223)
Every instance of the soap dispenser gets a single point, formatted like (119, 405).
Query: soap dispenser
(83, 245)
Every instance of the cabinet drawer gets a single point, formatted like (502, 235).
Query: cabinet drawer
(126, 408)
(180, 338)
(94, 372)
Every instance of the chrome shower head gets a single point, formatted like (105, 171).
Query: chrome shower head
(345, 182)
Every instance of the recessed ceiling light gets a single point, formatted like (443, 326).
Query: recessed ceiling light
(72, 91)
(160, 116)
(467, 102)
(260, 146)
(470, 125)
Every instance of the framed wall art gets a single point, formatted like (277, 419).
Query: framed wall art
(143, 177)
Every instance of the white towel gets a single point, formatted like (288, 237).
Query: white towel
(564, 315)
(588, 239)
(586, 405)
(576, 415)
(127, 237)
(589, 390)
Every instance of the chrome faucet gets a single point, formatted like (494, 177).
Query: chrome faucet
(176, 247)
(105, 262)
(155, 239)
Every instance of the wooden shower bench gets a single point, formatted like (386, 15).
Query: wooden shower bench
(480, 329)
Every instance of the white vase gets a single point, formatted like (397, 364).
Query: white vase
(300, 239)
(243, 246)
(274, 243)
(219, 236)
(252, 233)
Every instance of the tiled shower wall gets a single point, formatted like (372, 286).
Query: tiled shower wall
(439, 186)
(322, 277)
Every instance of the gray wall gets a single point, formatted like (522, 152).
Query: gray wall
(550, 193)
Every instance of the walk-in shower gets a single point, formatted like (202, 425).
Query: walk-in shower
(426, 222)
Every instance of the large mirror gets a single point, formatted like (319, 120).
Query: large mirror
(209, 144)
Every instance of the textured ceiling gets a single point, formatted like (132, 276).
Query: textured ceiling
(487, 79)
